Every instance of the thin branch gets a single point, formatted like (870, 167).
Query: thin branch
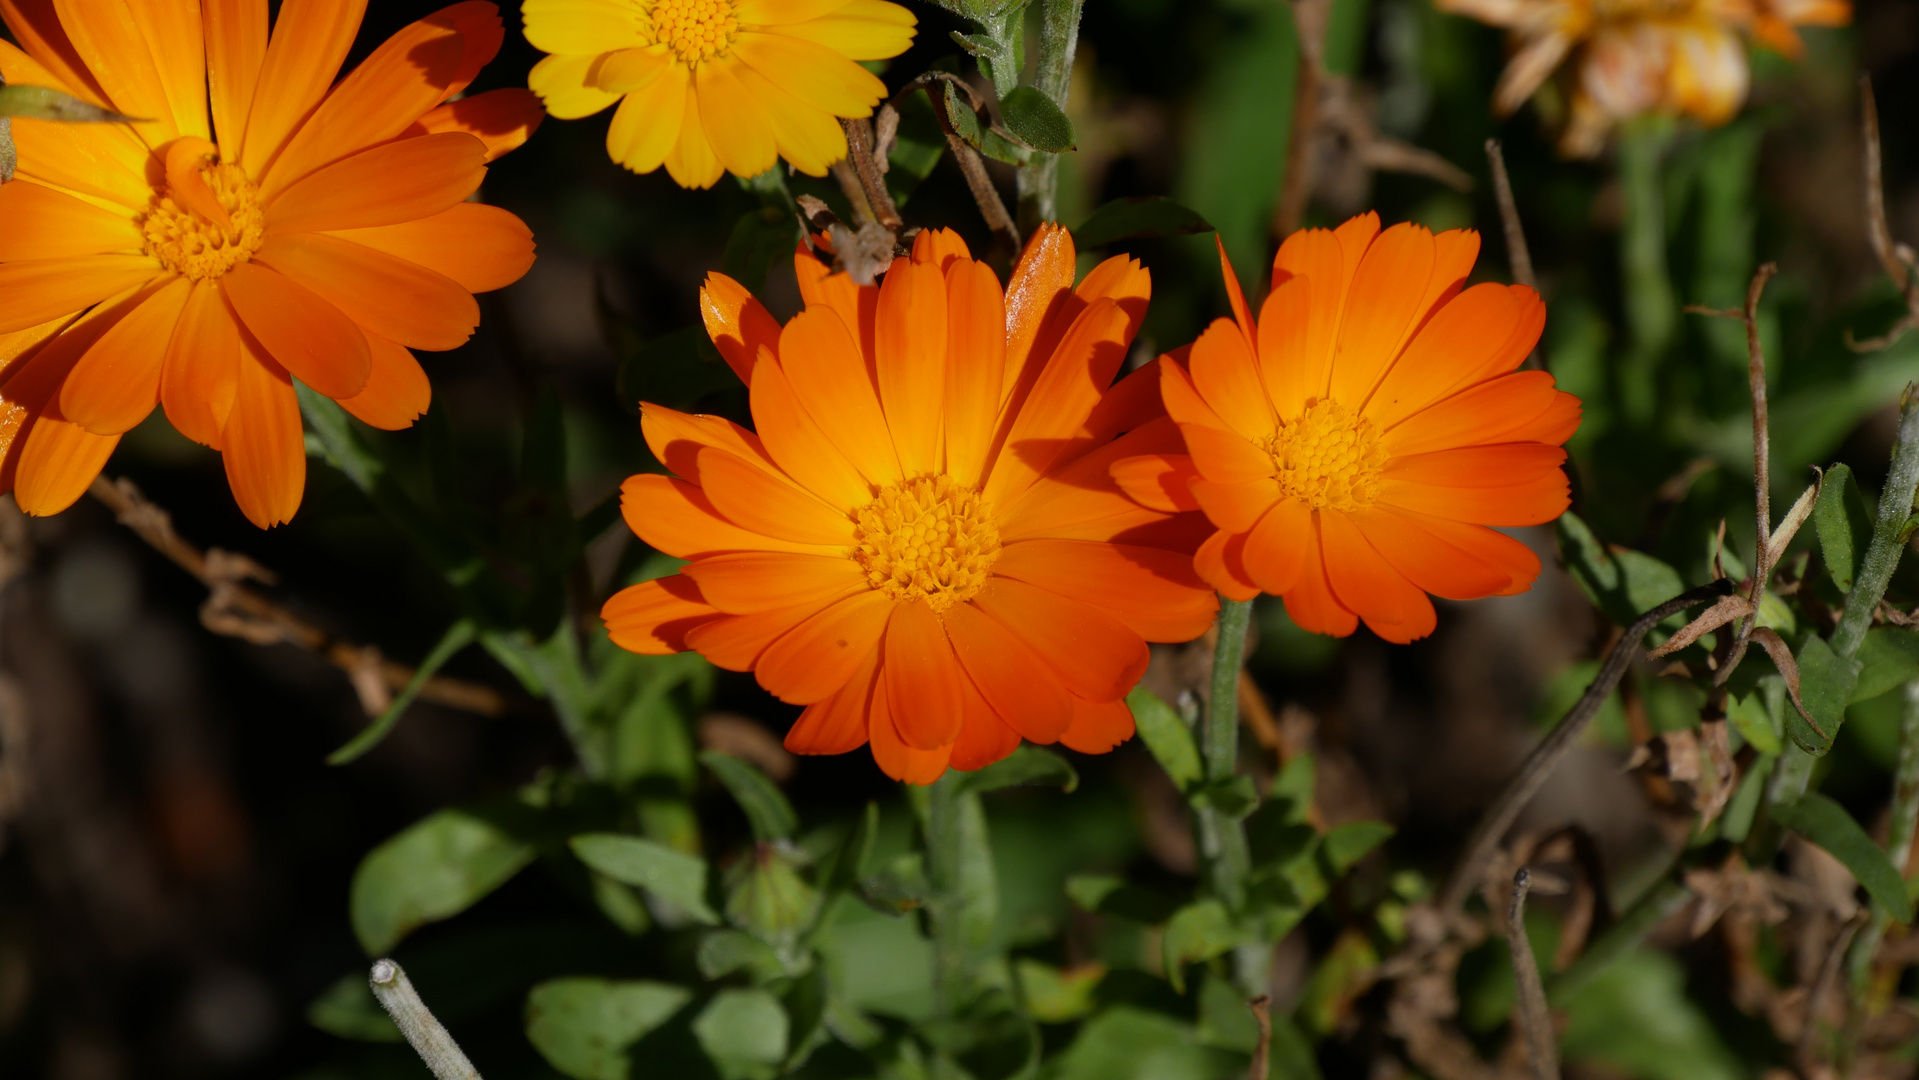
(1535, 1019)
(1296, 188)
(859, 150)
(1517, 252)
(850, 186)
(991, 206)
(423, 1031)
(234, 610)
(1262, 1007)
(1899, 261)
(1539, 765)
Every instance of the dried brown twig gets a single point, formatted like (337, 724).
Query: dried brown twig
(234, 610)
(972, 166)
(1900, 262)
(1535, 1019)
(1296, 187)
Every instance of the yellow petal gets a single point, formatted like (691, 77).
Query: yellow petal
(691, 162)
(583, 27)
(812, 139)
(812, 72)
(561, 82)
(647, 126)
(735, 123)
(862, 30)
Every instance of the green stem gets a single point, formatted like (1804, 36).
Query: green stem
(1651, 312)
(1222, 839)
(1058, 41)
(1888, 535)
(1899, 833)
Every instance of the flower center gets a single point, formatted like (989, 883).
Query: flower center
(1328, 456)
(186, 241)
(926, 539)
(695, 30)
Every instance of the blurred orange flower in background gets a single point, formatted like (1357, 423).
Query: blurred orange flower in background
(922, 543)
(707, 87)
(301, 231)
(1633, 57)
(1353, 444)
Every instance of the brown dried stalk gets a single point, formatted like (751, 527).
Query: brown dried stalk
(859, 150)
(972, 166)
(1484, 842)
(1517, 253)
(1310, 16)
(234, 610)
(1899, 260)
(1535, 1019)
(1262, 1007)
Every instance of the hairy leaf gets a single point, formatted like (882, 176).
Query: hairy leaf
(673, 876)
(434, 869)
(767, 809)
(586, 1028)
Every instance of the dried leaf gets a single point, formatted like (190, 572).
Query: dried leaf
(1714, 617)
(1789, 526)
(1782, 658)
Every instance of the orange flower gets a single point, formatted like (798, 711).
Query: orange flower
(203, 263)
(1353, 445)
(921, 543)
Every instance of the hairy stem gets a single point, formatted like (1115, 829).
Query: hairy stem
(1038, 183)
(423, 1031)
(1222, 839)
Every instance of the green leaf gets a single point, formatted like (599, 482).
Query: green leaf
(1234, 796)
(1035, 120)
(1620, 582)
(1027, 765)
(1755, 721)
(1844, 524)
(1168, 737)
(41, 103)
(966, 124)
(1825, 685)
(1126, 1042)
(1637, 1019)
(1888, 659)
(1350, 843)
(761, 238)
(673, 876)
(766, 807)
(435, 869)
(1104, 894)
(457, 637)
(1137, 219)
(677, 370)
(849, 864)
(723, 952)
(744, 1032)
(1056, 996)
(586, 1028)
(1826, 823)
(1195, 933)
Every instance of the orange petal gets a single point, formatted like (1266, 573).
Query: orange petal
(1311, 603)
(976, 353)
(940, 247)
(503, 120)
(35, 24)
(399, 300)
(838, 724)
(676, 517)
(58, 462)
(103, 160)
(817, 657)
(386, 185)
(1491, 412)
(202, 367)
(1220, 560)
(1530, 500)
(757, 500)
(481, 247)
(653, 617)
(1098, 726)
(984, 736)
(894, 757)
(302, 332)
(830, 378)
(1075, 377)
(856, 305)
(309, 43)
(1276, 548)
(1158, 481)
(125, 45)
(1155, 593)
(1223, 457)
(1096, 655)
(1041, 281)
(1022, 688)
(1485, 331)
(1234, 507)
(117, 383)
(676, 438)
(1227, 377)
(39, 291)
(1313, 254)
(738, 323)
(46, 224)
(1131, 403)
(910, 344)
(1393, 607)
(1477, 466)
(1433, 564)
(923, 681)
(1125, 282)
(736, 642)
(1182, 399)
(749, 581)
(236, 34)
(799, 445)
(1235, 296)
(264, 446)
(1381, 306)
(397, 390)
(1287, 367)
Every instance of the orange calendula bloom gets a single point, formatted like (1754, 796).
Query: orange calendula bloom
(1633, 57)
(921, 542)
(257, 225)
(1355, 442)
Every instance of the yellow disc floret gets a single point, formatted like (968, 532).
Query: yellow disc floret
(926, 538)
(695, 30)
(188, 243)
(1328, 456)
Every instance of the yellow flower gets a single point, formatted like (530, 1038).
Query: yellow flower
(1634, 57)
(707, 86)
